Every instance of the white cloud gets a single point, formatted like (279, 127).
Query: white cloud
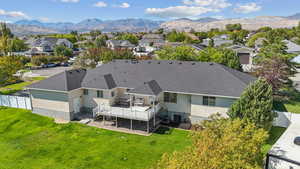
(13, 14)
(124, 5)
(70, 1)
(190, 8)
(100, 4)
(247, 8)
(215, 4)
(178, 11)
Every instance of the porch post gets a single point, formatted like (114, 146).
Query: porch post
(117, 121)
(154, 98)
(130, 124)
(147, 126)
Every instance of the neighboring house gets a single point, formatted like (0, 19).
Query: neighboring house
(119, 44)
(217, 42)
(152, 40)
(143, 50)
(246, 56)
(292, 47)
(141, 91)
(45, 45)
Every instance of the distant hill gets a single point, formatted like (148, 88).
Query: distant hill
(296, 16)
(122, 25)
(247, 23)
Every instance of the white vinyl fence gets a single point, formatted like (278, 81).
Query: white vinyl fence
(15, 102)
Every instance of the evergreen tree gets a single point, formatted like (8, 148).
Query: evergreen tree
(255, 105)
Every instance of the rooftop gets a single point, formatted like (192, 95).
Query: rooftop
(153, 76)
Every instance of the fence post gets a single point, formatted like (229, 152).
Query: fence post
(9, 101)
(25, 102)
(17, 102)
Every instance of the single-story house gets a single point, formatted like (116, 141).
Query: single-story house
(292, 47)
(141, 90)
(151, 40)
(119, 44)
(217, 42)
(246, 56)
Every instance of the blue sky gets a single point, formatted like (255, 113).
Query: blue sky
(77, 10)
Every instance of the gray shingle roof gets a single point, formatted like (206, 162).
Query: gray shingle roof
(148, 88)
(154, 76)
(66, 81)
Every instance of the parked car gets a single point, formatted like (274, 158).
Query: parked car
(49, 65)
(65, 64)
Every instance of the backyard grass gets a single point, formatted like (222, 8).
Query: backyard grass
(29, 141)
(274, 133)
(10, 89)
(291, 103)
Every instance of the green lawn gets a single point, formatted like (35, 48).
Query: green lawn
(10, 89)
(29, 141)
(291, 103)
(274, 133)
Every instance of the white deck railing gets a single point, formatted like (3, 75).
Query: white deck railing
(135, 112)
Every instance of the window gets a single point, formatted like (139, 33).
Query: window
(170, 97)
(209, 101)
(85, 91)
(100, 94)
(112, 94)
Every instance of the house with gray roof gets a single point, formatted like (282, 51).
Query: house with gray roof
(292, 47)
(143, 92)
(47, 44)
(119, 44)
(246, 56)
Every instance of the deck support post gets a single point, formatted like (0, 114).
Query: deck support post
(154, 112)
(130, 124)
(147, 126)
(104, 120)
(116, 121)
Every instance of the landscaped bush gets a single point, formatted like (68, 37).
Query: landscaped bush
(39, 60)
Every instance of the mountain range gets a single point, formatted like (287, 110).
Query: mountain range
(24, 27)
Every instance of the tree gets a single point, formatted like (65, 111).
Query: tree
(264, 29)
(223, 56)
(184, 53)
(9, 65)
(175, 36)
(220, 143)
(92, 56)
(61, 50)
(239, 36)
(101, 41)
(95, 33)
(17, 45)
(130, 37)
(5, 31)
(211, 43)
(275, 70)
(255, 105)
(233, 27)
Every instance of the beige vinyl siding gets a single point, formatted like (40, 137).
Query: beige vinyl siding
(91, 100)
(57, 101)
(78, 93)
(198, 109)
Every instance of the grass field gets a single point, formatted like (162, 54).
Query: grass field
(29, 141)
(10, 89)
(275, 133)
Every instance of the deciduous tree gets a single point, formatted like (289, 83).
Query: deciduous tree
(222, 143)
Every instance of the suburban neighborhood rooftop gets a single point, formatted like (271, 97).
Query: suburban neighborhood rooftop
(150, 77)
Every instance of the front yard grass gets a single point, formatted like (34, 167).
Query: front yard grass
(10, 89)
(29, 141)
(274, 133)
